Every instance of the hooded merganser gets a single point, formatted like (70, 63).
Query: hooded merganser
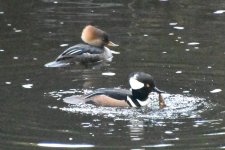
(141, 85)
(92, 50)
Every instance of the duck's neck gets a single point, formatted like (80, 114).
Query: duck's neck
(138, 98)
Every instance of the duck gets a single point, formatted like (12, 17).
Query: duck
(141, 85)
(92, 49)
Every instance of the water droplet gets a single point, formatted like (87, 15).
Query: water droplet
(27, 86)
(63, 45)
(108, 74)
(168, 132)
(17, 30)
(70, 138)
(179, 72)
(181, 42)
(196, 47)
(219, 12)
(193, 43)
(216, 91)
(178, 27)
(173, 23)
(8, 82)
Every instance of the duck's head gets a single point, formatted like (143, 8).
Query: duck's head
(96, 37)
(142, 84)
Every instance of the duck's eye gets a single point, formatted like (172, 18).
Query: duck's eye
(135, 84)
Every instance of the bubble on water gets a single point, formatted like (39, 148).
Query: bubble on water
(108, 74)
(216, 91)
(209, 67)
(55, 2)
(178, 27)
(64, 45)
(2, 12)
(15, 57)
(2, 50)
(168, 132)
(181, 42)
(193, 43)
(8, 82)
(27, 86)
(178, 72)
(145, 34)
(171, 33)
(196, 47)
(164, 52)
(17, 30)
(219, 12)
(173, 23)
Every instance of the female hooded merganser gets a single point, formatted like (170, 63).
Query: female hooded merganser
(92, 50)
(141, 85)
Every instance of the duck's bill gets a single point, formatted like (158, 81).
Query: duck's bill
(155, 89)
(112, 44)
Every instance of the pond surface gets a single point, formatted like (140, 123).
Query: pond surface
(180, 43)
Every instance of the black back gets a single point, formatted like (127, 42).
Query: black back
(120, 94)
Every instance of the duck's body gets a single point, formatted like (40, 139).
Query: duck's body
(141, 85)
(109, 97)
(92, 50)
(85, 53)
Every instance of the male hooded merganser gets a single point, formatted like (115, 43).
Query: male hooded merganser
(141, 85)
(92, 50)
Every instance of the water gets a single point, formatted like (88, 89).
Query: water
(181, 43)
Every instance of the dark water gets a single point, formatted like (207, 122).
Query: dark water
(181, 43)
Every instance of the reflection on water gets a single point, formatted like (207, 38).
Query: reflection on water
(58, 145)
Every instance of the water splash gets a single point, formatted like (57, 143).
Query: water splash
(178, 106)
